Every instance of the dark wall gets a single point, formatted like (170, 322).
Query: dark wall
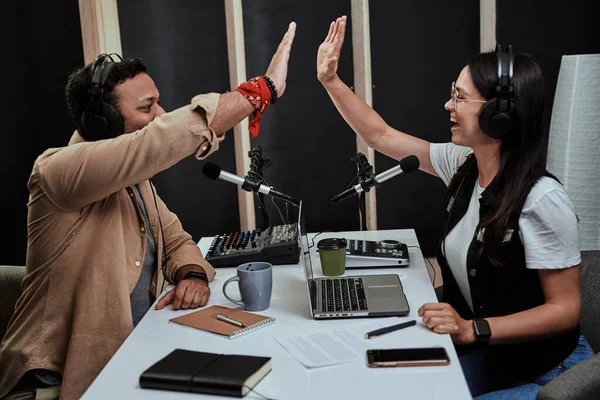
(417, 51)
(41, 45)
(184, 45)
(549, 32)
(303, 135)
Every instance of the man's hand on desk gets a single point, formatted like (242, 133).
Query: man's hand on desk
(443, 318)
(188, 293)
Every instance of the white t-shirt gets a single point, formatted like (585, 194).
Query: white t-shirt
(547, 225)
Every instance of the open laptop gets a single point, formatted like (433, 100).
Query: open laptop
(356, 296)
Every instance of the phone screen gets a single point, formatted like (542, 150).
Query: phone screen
(433, 354)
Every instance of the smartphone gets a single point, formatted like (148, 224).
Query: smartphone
(426, 356)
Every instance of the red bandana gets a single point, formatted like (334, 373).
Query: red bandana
(256, 92)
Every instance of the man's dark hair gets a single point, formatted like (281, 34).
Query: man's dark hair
(80, 82)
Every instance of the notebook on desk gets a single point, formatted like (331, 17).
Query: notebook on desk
(206, 319)
(199, 372)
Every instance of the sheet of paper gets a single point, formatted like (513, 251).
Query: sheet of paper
(319, 349)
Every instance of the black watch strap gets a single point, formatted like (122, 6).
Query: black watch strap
(197, 275)
(482, 330)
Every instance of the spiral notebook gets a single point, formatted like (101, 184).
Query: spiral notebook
(206, 320)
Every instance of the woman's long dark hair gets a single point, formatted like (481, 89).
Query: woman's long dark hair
(523, 150)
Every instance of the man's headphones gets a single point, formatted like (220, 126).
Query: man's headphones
(496, 116)
(101, 120)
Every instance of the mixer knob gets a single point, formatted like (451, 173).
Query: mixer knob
(390, 244)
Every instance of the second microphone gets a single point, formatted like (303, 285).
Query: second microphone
(407, 165)
(213, 171)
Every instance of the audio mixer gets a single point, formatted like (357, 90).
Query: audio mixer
(276, 245)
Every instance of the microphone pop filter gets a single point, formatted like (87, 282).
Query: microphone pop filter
(409, 164)
(211, 170)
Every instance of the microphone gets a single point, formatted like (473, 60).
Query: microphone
(407, 165)
(214, 172)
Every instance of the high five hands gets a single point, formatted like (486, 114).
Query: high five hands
(329, 51)
(278, 68)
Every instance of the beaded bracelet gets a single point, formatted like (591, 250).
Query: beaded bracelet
(271, 88)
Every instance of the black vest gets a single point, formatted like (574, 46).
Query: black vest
(501, 290)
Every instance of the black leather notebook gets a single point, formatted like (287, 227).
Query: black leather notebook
(209, 373)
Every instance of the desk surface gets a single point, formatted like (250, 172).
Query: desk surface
(154, 338)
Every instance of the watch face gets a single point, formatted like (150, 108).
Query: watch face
(197, 275)
(482, 328)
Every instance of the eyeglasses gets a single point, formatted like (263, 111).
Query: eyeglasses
(455, 99)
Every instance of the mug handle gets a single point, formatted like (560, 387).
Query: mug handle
(238, 302)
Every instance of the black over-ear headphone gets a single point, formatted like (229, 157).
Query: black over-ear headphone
(496, 116)
(101, 120)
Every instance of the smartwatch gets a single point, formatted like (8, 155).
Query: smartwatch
(197, 275)
(482, 330)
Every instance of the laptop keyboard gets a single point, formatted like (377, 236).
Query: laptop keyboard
(343, 294)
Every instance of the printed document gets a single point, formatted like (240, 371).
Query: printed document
(319, 349)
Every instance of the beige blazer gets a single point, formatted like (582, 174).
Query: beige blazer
(86, 245)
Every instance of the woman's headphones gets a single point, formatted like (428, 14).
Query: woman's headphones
(101, 120)
(496, 116)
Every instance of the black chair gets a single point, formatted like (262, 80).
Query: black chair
(582, 382)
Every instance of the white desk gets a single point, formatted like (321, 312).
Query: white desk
(154, 338)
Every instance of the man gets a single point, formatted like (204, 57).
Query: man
(101, 243)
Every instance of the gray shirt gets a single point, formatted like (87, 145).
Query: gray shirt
(141, 297)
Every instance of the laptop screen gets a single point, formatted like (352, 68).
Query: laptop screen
(304, 245)
(306, 260)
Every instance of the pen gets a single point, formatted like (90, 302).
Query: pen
(389, 329)
(230, 321)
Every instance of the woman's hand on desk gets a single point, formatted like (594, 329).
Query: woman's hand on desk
(443, 318)
(189, 293)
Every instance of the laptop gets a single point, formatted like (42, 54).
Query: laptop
(356, 296)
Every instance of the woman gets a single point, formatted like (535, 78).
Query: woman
(510, 248)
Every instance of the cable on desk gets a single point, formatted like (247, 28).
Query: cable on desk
(264, 208)
(432, 267)
(263, 180)
(254, 391)
(279, 210)
(313, 238)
